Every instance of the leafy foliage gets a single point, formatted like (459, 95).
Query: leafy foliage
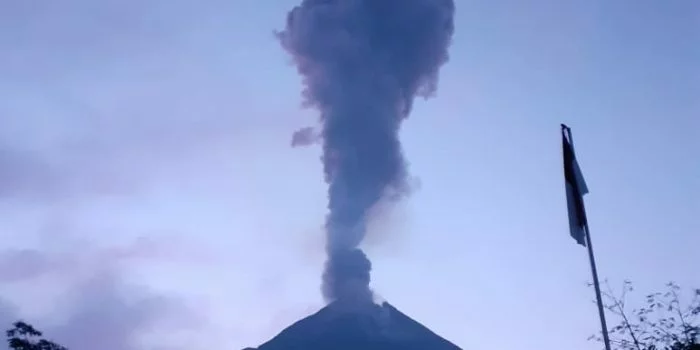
(25, 337)
(663, 324)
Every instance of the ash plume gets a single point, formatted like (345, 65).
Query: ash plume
(363, 62)
(304, 137)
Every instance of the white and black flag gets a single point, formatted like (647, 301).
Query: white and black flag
(575, 189)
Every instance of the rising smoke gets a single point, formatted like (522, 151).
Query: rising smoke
(363, 62)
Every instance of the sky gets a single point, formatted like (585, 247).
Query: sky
(150, 198)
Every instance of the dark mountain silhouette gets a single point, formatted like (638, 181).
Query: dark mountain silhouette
(344, 326)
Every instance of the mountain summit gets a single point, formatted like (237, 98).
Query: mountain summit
(368, 326)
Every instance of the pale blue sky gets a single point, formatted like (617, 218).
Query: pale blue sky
(144, 155)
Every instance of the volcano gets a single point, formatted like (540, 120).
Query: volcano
(340, 326)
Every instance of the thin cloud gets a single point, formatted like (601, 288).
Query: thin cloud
(101, 309)
(19, 265)
(107, 313)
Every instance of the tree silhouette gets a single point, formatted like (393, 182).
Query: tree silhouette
(663, 324)
(25, 337)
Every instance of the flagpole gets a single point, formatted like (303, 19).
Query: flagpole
(596, 284)
(594, 270)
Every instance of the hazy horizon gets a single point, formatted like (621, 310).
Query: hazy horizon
(150, 198)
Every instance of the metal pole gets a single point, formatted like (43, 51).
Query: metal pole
(596, 284)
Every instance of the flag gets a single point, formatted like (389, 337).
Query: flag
(575, 189)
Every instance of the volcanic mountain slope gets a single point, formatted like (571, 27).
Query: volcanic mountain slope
(370, 327)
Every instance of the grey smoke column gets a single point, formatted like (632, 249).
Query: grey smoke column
(363, 63)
